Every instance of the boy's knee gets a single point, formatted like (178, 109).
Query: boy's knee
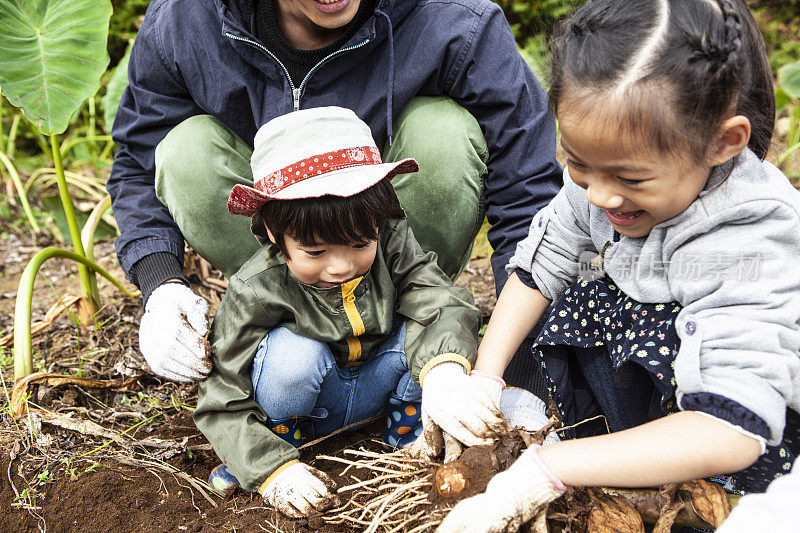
(292, 362)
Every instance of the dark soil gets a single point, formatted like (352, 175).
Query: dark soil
(119, 497)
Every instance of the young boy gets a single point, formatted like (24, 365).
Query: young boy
(336, 318)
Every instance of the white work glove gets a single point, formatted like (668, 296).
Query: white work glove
(300, 491)
(458, 408)
(512, 498)
(172, 331)
(525, 410)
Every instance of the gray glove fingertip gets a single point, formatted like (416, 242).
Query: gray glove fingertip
(419, 449)
(327, 502)
(321, 486)
(160, 370)
(290, 509)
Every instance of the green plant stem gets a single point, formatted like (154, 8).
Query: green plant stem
(72, 143)
(23, 352)
(88, 282)
(788, 153)
(92, 124)
(93, 190)
(38, 136)
(104, 155)
(12, 137)
(86, 183)
(792, 139)
(20, 190)
(87, 233)
(2, 135)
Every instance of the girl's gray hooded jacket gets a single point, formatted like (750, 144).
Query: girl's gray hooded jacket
(731, 260)
(200, 57)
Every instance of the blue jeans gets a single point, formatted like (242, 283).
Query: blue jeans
(296, 376)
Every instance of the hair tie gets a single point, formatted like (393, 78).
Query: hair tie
(729, 53)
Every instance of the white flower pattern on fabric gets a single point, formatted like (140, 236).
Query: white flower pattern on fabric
(643, 334)
(280, 179)
(244, 200)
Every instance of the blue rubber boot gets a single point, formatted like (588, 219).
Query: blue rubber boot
(403, 424)
(223, 480)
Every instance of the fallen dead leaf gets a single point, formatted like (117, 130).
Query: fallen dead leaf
(613, 514)
(708, 500)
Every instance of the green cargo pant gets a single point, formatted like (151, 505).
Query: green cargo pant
(200, 160)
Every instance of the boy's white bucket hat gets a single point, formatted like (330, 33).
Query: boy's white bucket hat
(312, 153)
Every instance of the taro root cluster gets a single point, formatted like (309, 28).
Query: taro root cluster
(602, 510)
(394, 492)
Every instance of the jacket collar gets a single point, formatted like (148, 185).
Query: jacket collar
(235, 16)
(329, 297)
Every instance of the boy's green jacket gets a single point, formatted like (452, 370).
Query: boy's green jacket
(403, 284)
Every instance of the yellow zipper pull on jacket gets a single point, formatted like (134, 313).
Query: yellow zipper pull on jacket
(349, 303)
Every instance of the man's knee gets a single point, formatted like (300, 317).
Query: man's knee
(190, 151)
(186, 142)
(437, 128)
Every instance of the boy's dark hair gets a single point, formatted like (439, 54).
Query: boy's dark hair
(342, 220)
(678, 74)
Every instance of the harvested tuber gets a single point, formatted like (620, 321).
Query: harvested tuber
(708, 500)
(450, 480)
(598, 509)
(470, 473)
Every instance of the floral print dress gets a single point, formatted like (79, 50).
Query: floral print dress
(603, 353)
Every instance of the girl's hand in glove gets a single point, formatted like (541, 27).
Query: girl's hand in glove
(458, 408)
(512, 498)
(300, 490)
(172, 331)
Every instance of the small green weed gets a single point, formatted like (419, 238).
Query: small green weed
(45, 476)
(38, 362)
(27, 499)
(6, 358)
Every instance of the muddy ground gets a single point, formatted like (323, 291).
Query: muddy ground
(55, 479)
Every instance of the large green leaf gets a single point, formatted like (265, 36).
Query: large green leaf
(53, 54)
(789, 78)
(114, 89)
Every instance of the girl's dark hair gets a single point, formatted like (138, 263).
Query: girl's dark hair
(704, 60)
(343, 220)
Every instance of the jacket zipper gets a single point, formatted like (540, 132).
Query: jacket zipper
(296, 91)
(350, 309)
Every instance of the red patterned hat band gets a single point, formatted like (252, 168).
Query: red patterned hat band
(318, 164)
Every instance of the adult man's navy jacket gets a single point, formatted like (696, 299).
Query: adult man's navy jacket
(200, 57)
